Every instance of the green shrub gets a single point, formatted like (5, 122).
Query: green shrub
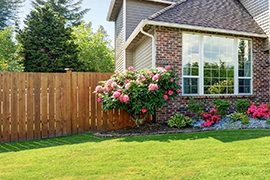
(242, 105)
(268, 120)
(179, 121)
(222, 106)
(236, 116)
(195, 107)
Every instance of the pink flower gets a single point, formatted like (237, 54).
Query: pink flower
(106, 89)
(124, 98)
(142, 78)
(161, 69)
(165, 97)
(99, 89)
(168, 67)
(130, 68)
(144, 110)
(171, 79)
(170, 92)
(116, 94)
(156, 77)
(151, 75)
(126, 80)
(152, 87)
(177, 90)
(117, 72)
(99, 99)
(114, 84)
(213, 111)
(127, 86)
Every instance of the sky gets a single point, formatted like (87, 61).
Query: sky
(97, 15)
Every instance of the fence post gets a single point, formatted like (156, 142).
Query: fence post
(68, 113)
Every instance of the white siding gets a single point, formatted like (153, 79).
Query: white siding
(119, 42)
(259, 9)
(129, 58)
(142, 56)
(139, 10)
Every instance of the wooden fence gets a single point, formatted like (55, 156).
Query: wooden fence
(42, 105)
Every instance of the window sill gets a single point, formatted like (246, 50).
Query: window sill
(218, 96)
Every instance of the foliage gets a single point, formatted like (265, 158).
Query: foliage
(179, 121)
(47, 45)
(69, 9)
(242, 105)
(195, 107)
(210, 118)
(243, 117)
(222, 106)
(95, 50)
(268, 120)
(260, 112)
(9, 58)
(139, 92)
(9, 12)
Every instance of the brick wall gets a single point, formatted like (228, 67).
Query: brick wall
(169, 52)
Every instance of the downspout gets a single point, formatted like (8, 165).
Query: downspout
(153, 47)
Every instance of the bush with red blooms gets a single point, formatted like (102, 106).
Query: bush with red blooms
(210, 118)
(260, 112)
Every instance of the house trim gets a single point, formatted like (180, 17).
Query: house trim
(184, 26)
(109, 15)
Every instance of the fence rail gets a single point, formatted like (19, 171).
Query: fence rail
(43, 105)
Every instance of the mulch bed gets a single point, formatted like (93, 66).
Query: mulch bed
(146, 129)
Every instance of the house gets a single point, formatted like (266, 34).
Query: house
(219, 47)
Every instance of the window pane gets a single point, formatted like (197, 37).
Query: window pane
(190, 54)
(244, 85)
(218, 65)
(244, 58)
(190, 85)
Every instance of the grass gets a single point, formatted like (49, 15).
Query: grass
(237, 154)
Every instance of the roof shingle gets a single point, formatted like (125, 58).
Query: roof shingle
(221, 14)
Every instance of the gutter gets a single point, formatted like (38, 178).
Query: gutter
(153, 46)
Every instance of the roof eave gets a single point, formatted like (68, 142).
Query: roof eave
(191, 27)
(109, 15)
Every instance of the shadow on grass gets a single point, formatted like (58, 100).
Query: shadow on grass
(50, 142)
(225, 136)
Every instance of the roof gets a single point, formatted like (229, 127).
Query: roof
(117, 4)
(219, 14)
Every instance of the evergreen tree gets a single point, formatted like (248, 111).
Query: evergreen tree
(70, 9)
(47, 44)
(9, 12)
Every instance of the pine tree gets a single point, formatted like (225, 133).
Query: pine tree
(9, 12)
(47, 44)
(70, 9)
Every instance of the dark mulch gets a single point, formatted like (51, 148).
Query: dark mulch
(145, 129)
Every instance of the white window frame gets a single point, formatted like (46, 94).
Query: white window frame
(201, 60)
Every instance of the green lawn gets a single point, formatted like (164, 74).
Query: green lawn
(238, 154)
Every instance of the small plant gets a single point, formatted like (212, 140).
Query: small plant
(268, 120)
(195, 107)
(179, 121)
(236, 116)
(222, 106)
(242, 105)
(210, 118)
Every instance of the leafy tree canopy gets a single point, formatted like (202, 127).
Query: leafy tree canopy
(95, 50)
(9, 58)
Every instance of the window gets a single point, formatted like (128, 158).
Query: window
(216, 65)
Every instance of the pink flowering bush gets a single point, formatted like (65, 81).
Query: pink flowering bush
(260, 112)
(139, 92)
(210, 118)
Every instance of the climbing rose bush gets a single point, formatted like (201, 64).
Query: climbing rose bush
(139, 93)
(262, 111)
